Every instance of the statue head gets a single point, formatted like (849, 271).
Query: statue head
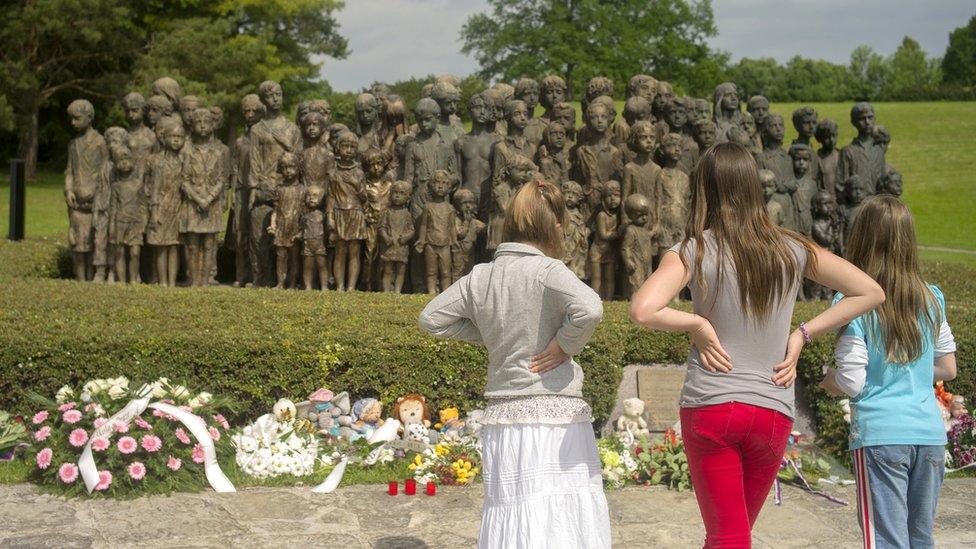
(638, 208)
(802, 155)
(380, 91)
(564, 113)
(427, 112)
(882, 137)
(773, 130)
(466, 203)
(726, 97)
(121, 156)
(676, 115)
(598, 117)
(400, 193)
(426, 89)
(252, 109)
(805, 122)
(171, 133)
(740, 136)
(335, 129)
(188, 104)
(271, 95)
(642, 85)
(758, 107)
(572, 192)
(313, 125)
(440, 183)
(611, 195)
(827, 133)
(134, 105)
(116, 136)
(637, 108)
(555, 136)
(672, 146)
(520, 170)
(702, 109)
(82, 113)
(367, 110)
(862, 118)
(158, 107)
(450, 79)
(552, 91)
(856, 191)
(201, 122)
(447, 97)
(823, 205)
(396, 110)
(289, 167)
(705, 132)
(168, 88)
(767, 180)
(480, 108)
(527, 90)
(642, 138)
(314, 196)
(891, 183)
(665, 94)
(347, 145)
(749, 124)
(516, 114)
(597, 86)
(375, 162)
(507, 91)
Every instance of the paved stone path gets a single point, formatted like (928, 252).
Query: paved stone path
(364, 516)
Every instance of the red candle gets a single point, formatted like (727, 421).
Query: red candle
(392, 490)
(431, 488)
(410, 487)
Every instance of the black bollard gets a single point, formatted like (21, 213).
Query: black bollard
(18, 185)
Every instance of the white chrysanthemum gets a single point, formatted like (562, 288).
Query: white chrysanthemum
(64, 394)
(116, 392)
(180, 392)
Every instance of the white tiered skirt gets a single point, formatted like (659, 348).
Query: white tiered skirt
(543, 487)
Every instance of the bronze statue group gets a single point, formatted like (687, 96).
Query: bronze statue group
(392, 206)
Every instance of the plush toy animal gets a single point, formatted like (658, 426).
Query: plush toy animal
(412, 408)
(632, 420)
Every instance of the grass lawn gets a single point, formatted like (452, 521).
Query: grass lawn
(933, 145)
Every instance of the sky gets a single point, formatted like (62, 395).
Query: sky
(392, 40)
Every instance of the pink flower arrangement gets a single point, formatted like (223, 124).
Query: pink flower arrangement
(127, 445)
(78, 437)
(143, 424)
(197, 454)
(104, 480)
(42, 433)
(43, 458)
(174, 463)
(219, 418)
(99, 444)
(181, 435)
(214, 433)
(66, 406)
(39, 417)
(99, 421)
(68, 473)
(121, 427)
(71, 416)
(151, 443)
(137, 470)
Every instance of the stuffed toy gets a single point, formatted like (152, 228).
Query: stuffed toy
(367, 415)
(411, 408)
(417, 432)
(328, 412)
(632, 420)
(284, 410)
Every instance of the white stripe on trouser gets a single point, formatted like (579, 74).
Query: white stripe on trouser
(865, 505)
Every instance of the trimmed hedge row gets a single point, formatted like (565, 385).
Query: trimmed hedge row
(259, 345)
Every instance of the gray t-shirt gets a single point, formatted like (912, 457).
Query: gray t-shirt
(755, 347)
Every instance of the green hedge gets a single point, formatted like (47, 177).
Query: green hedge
(258, 345)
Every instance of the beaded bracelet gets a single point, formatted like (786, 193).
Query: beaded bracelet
(806, 334)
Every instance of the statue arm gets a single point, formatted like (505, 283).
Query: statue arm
(422, 237)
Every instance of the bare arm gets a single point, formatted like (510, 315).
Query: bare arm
(945, 367)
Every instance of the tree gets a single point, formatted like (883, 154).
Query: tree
(959, 61)
(869, 74)
(579, 39)
(48, 47)
(912, 74)
(762, 76)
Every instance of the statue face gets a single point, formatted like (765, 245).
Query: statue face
(646, 141)
(598, 119)
(440, 186)
(313, 198)
(427, 123)
(81, 121)
(187, 106)
(823, 205)
(366, 114)
(521, 174)
(676, 116)
(572, 197)
(346, 150)
(468, 208)
(480, 112)
(123, 162)
(530, 96)
(611, 197)
(775, 129)
(702, 110)
(375, 167)
(749, 124)
(672, 150)
(856, 192)
(289, 169)
(519, 117)
(641, 218)
(313, 129)
(567, 118)
(730, 101)
(552, 95)
(801, 163)
(252, 114)
(646, 89)
(174, 139)
(759, 111)
(864, 122)
(808, 126)
(829, 141)
(706, 136)
(273, 98)
(202, 126)
(768, 187)
(557, 137)
(134, 115)
(399, 196)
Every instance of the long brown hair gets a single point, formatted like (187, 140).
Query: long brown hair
(536, 216)
(727, 199)
(882, 244)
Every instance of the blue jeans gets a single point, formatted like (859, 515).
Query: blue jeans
(898, 487)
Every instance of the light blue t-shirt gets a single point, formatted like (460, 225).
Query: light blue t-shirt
(897, 404)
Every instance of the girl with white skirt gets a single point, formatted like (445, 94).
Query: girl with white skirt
(542, 478)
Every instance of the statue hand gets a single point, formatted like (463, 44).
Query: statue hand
(69, 197)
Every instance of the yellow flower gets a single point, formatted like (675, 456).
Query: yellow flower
(412, 466)
(417, 459)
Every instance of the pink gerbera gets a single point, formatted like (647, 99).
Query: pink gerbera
(151, 443)
(99, 444)
(71, 416)
(222, 421)
(104, 480)
(99, 421)
(39, 417)
(43, 458)
(121, 427)
(78, 437)
(137, 470)
(181, 435)
(66, 406)
(143, 424)
(197, 454)
(127, 445)
(42, 433)
(68, 473)
(174, 463)
(214, 433)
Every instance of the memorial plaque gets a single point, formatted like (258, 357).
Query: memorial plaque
(660, 387)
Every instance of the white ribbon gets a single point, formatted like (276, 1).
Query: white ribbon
(217, 479)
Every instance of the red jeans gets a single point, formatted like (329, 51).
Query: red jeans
(734, 451)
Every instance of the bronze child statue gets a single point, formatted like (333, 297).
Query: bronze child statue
(396, 231)
(638, 250)
(470, 229)
(286, 220)
(553, 156)
(474, 151)
(597, 161)
(314, 255)
(128, 212)
(252, 110)
(346, 219)
(518, 171)
(773, 157)
(437, 233)
(142, 140)
(85, 188)
(426, 153)
(603, 251)
(828, 233)
(640, 174)
(164, 177)
(777, 204)
(576, 233)
(673, 194)
(377, 186)
(827, 155)
(806, 187)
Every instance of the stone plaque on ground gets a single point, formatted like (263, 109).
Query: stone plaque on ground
(659, 387)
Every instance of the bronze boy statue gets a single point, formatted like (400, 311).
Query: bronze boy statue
(314, 256)
(396, 231)
(286, 220)
(603, 251)
(638, 249)
(85, 188)
(437, 233)
(346, 219)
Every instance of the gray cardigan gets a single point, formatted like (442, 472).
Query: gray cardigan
(515, 306)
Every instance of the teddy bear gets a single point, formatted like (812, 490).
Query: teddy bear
(631, 421)
(417, 432)
(450, 423)
(411, 408)
(367, 415)
(328, 412)
(472, 423)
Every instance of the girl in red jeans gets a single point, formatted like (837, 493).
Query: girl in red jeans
(744, 273)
